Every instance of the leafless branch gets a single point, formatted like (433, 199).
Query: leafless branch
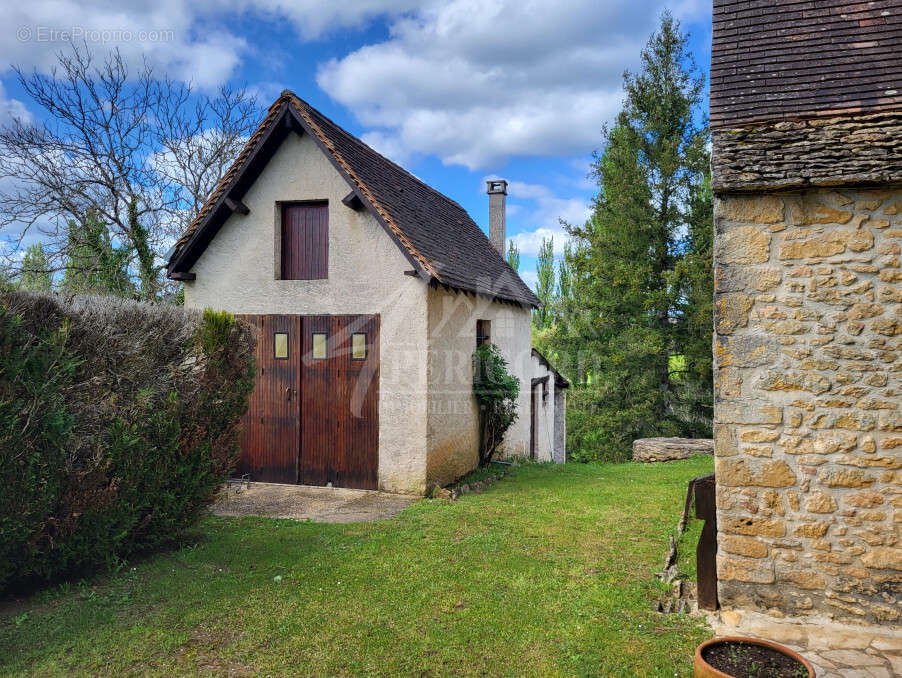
(110, 136)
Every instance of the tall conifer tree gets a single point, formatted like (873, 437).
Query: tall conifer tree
(628, 325)
(94, 265)
(694, 281)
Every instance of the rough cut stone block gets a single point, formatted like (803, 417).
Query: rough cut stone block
(760, 210)
(649, 450)
(743, 245)
(752, 571)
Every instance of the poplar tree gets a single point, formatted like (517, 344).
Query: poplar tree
(628, 328)
(545, 284)
(513, 255)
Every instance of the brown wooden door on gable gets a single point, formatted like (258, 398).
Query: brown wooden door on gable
(305, 241)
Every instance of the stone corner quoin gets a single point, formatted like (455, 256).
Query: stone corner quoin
(808, 424)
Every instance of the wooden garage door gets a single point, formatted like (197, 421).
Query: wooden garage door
(270, 435)
(313, 416)
(339, 405)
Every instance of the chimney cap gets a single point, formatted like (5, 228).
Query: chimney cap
(496, 186)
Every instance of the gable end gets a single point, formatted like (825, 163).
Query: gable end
(259, 150)
(434, 233)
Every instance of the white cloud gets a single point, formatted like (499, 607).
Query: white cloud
(529, 241)
(539, 205)
(170, 33)
(11, 109)
(478, 81)
(550, 207)
(191, 40)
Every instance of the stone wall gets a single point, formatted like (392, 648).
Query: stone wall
(808, 424)
(834, 151)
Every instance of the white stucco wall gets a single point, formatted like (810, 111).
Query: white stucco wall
(452, 431)
(560, 426)
(238, 273)
(545, 433)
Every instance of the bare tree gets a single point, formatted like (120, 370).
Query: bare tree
(138, 151)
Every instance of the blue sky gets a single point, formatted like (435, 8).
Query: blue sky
(455, 90)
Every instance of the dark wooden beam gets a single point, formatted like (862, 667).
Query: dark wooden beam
(291, 122)
(353, 201)
(182, 275)
(412, 274)
(236, 206)
(706, 551)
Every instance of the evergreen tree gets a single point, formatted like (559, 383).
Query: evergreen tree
(628, 327)
(35, 276)
(694, 280)
(545, 285)
(94, 265)
(513, 255)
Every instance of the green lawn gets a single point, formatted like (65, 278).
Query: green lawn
(547, 573)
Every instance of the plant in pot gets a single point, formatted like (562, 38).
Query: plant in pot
(738, 657)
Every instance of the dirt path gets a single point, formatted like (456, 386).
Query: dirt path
(302, 502)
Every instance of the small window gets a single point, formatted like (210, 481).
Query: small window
(280, 346)
(358, 346)
(319, 345)
(483, 332)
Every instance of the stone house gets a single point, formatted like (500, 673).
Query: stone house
(370, 291)
(806, 119)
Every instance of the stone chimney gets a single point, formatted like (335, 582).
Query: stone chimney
(497, 190)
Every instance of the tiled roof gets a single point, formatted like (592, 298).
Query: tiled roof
(435, 233)
(789, 59)
(559, 380)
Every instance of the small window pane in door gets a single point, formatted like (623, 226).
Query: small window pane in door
(319, 345)
(280, 346)
(358, 346)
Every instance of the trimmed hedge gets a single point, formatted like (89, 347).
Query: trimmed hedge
(118, 420)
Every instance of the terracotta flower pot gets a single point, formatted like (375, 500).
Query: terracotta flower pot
(704, 670)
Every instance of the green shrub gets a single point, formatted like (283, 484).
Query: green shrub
(215, 330)
(34, 431)
(496, 390)
(602, 427)
(117, 422)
